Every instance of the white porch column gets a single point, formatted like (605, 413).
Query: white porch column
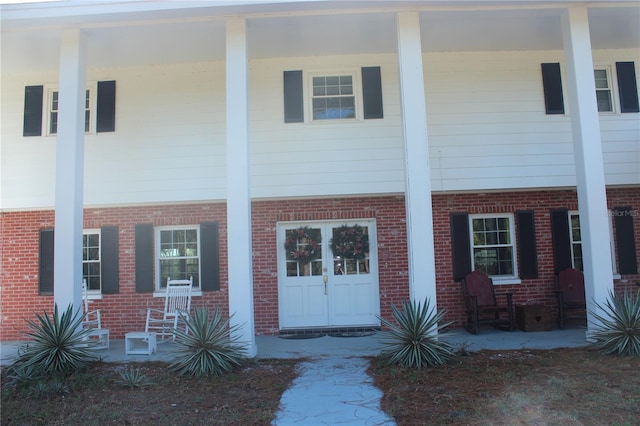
(592, 199)
(72, 85)
(422, 275)
(238, 187)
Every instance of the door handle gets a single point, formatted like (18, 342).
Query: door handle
(325, 278)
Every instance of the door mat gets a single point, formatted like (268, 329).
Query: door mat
(302, 336)
(352, 334)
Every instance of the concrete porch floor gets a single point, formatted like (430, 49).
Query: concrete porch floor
(326, 346)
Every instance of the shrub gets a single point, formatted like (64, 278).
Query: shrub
(619, 331)
(207, 346)
(410, 342)
(60, 344)
(133, 378)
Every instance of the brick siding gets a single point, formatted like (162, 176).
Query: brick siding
(126, 310)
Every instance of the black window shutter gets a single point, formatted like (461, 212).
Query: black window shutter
(627, 87)
(372, 92)
(32, 125)
(625, 241)
(109, 262)
(45, 267)
(527, 244)
(552, 85)
(460, 245)
(293, 99)
(106, 106)
(209, 257)
(144, 258)
(560, 240)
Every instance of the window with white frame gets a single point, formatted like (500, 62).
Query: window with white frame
(604, 92)
(493, 244)
(91, 258)
(575, 236)
(333, 97)
(178, 254)
(53, 105)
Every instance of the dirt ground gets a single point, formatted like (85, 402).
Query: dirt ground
(526, 387)
(248, 396)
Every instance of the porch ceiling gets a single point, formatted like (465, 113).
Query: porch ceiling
(30, 41)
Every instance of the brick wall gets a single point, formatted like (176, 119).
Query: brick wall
(126, 310)
(122, 312)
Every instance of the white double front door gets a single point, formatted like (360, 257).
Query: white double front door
(328, 274)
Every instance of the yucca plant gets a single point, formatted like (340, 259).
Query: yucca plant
(207, 348)
(409, 341)
(60, 344)
(619, 329)
(133, 378)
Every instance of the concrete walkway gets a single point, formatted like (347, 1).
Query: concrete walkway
(332, 391)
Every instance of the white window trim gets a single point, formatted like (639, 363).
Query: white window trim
(307, 93)
(613, 81)
(613, 87)
(95, 294)
(612, 246)
(158, 291)
(498, 279)
(92, 86)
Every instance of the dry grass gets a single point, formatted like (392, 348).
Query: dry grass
(527, 387)
(248, 396)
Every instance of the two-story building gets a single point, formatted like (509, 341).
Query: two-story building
(312, 163)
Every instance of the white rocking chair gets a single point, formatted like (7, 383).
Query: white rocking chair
(93, 320)
(177, 302)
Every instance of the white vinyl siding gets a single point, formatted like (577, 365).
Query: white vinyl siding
(486, 125)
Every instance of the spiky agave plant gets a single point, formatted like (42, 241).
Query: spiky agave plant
(207, 348)
(60, 344)
(409, 341)
(619, 329)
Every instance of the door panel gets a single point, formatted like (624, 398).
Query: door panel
(337, 286)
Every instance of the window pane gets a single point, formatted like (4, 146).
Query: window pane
(333, 103)
(91, 260)
(333, 90)
(333, 98)
(179, 255)
(492, 245)
(603, 98)
(332, 81)
(601, 79)
(292, 269)
(53, 123)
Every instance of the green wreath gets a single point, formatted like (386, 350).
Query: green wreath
(350, 242)
(301, 245)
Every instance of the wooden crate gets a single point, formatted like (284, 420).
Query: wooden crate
(533, 317)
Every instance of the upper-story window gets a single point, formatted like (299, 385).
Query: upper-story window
(178, 254)
(341, 95)
(91, 268)
(53, 111)
(42, 108)
(333, 97)
(615, 84)
(492, 244)
(604, 93)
